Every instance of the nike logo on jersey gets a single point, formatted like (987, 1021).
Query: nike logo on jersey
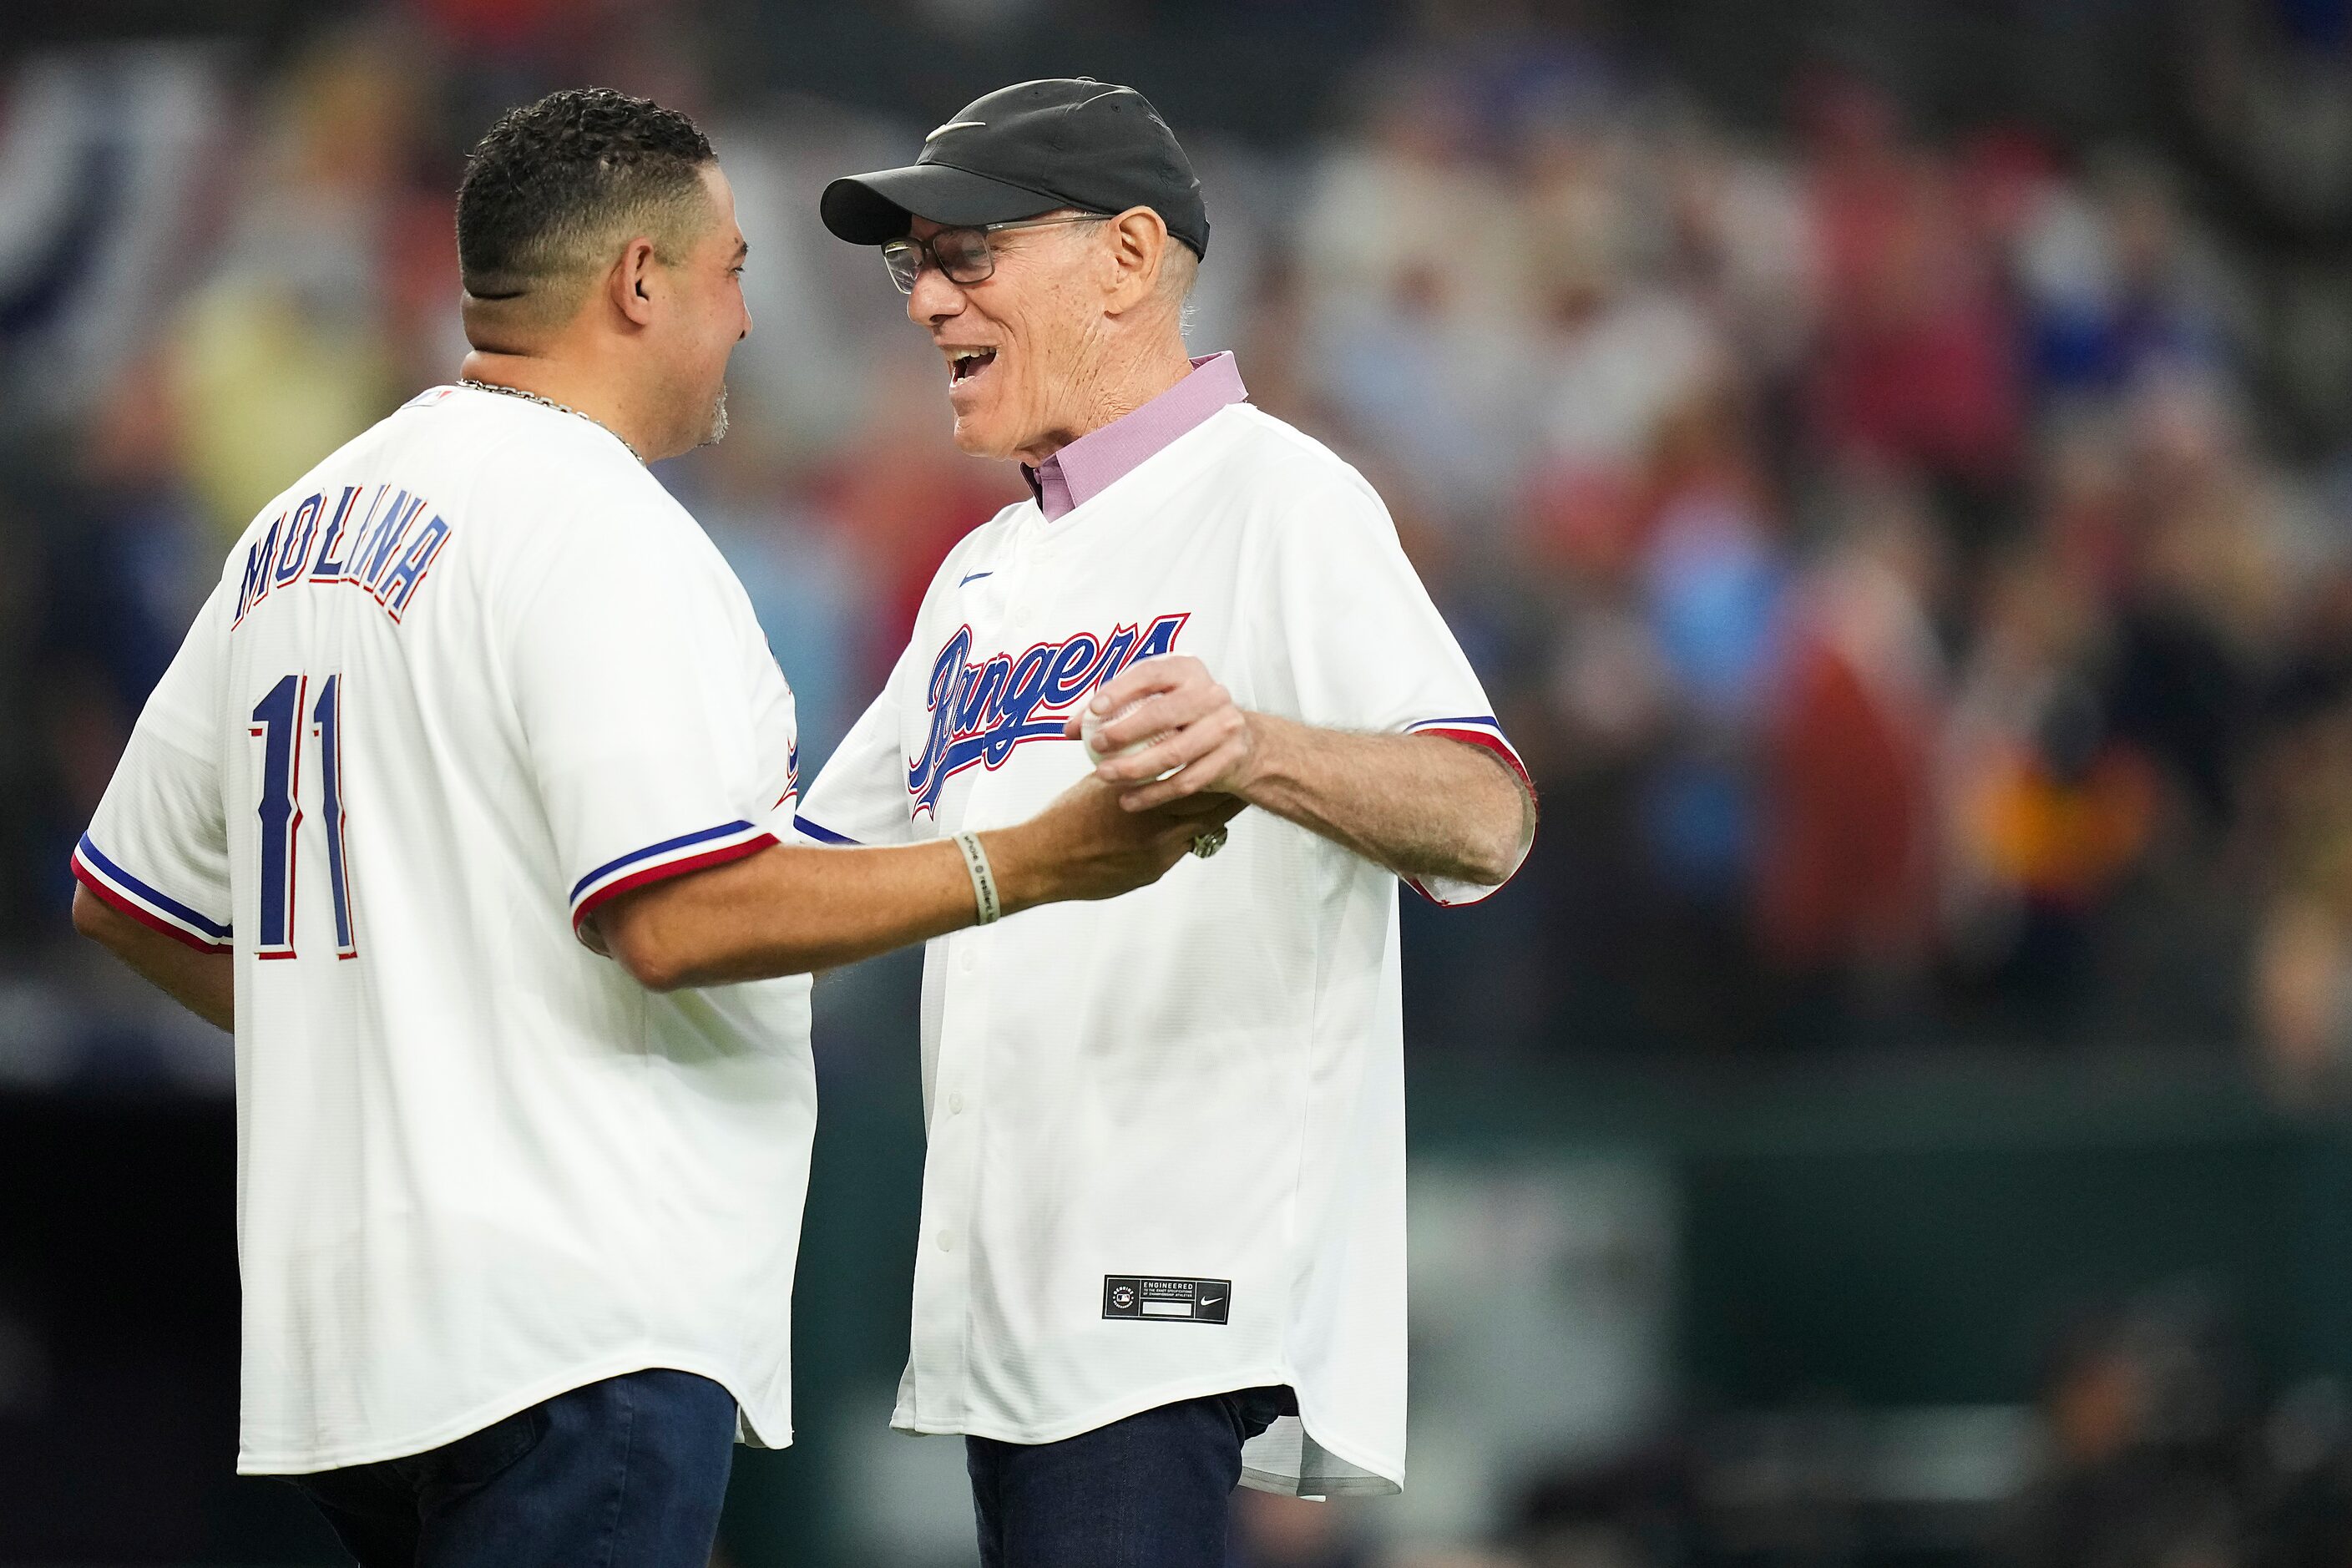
(975, 577)
(980, 712)
(374, 550)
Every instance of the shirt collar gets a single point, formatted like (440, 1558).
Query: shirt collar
(1087, 465)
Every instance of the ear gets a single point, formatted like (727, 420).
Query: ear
(1139, 243)
(634, 281)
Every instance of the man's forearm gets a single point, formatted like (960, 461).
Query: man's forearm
(202, 983)
(793, 910)
(790, 910)
(1420, 806)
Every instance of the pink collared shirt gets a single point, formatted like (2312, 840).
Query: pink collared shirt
(1087, 465)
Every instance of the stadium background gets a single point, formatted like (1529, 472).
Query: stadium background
(1889, 463)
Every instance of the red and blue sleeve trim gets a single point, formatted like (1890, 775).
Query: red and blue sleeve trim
(1478, 729)
(155, 909)
(822, 833)
(1471, 729)
(670, 858)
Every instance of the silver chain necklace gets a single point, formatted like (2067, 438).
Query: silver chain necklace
(551, 402)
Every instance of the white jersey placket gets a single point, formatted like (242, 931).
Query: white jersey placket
(958, 1118)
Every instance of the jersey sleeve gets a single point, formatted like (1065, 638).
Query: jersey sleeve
(157, 849)
(1366, 648)
(641, 726)
(860, 794)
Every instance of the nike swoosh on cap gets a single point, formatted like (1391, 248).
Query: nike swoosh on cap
(955, 125)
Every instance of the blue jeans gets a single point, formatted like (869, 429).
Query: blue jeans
(626, 1473)
(1152, 1491)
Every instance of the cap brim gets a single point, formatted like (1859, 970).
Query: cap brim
(866, 209)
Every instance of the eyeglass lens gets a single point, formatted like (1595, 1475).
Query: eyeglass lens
(961, 253)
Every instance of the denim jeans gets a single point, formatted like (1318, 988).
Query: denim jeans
(1152, 1491)
(626, 1473)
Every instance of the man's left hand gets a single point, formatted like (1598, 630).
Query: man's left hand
(1208, 743)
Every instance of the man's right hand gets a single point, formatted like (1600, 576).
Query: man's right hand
(1086, 845)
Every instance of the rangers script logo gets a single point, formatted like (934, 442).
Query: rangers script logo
(980, 712)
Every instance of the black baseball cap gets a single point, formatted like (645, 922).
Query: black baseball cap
(1065, 141)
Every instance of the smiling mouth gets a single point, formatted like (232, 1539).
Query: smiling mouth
(963, 364)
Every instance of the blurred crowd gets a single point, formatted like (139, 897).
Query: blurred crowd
(1888, 549)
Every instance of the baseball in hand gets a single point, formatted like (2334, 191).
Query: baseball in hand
(1090, 724)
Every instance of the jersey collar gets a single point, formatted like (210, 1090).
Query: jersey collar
(1088, 465)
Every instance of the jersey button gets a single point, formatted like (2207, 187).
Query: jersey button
(955, 1105)
(947, 1242)
(971, 961)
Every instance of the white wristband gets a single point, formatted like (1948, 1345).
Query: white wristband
(983, 880)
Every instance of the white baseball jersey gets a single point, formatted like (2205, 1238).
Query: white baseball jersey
(475, 674)
(1166, 1131)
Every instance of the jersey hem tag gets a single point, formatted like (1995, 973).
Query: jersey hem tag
(1156, 1298)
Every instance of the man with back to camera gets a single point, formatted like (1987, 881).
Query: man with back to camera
(1163, 1242)
(516, 1225)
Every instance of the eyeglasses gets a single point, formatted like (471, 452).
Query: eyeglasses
(961, 254)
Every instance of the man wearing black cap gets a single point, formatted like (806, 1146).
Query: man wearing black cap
(1162, 1247)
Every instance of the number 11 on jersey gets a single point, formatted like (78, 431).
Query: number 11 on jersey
(277, 724)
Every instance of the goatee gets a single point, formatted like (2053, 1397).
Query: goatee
(715, 431)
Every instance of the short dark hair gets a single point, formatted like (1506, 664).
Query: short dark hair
(548, 186)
